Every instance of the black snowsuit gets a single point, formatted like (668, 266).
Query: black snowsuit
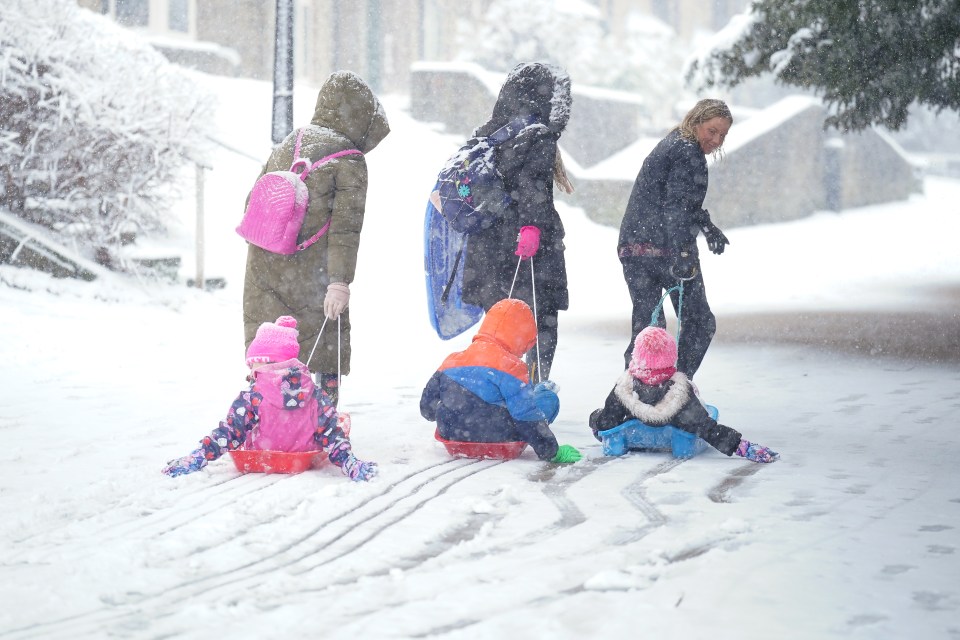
(526, 163)
(672, 402)
(663, 218)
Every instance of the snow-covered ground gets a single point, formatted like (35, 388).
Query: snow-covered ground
(852, 534)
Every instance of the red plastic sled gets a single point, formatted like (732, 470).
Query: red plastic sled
(265, 461)
(494, 450)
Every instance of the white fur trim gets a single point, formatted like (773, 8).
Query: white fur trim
(661, 413)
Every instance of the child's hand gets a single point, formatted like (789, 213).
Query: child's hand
(358, 470)
(566, 454)
(194, 461)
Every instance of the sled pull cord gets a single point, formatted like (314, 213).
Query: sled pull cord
(536, 323)
(317, 341)
(533, 290)
(655, 316)
(515, 272)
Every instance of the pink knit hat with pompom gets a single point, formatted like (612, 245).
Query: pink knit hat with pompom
(654, 356)
(275, 342)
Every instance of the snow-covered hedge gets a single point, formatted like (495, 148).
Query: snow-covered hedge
(94, 125)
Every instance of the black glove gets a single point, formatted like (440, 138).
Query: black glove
(685, 264)
(715, 238)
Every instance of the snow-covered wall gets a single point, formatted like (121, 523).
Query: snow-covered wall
(460, 95)
(780, 164)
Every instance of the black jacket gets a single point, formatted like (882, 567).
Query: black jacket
(671, 403)
(526, 164)
(666, 204)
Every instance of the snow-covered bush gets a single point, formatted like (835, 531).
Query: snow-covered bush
(95, 125)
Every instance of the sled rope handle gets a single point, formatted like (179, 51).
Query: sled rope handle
(533, 290)
(515, 272)
(536, 324)
(339, 341)
(316, 342)
(655, 316)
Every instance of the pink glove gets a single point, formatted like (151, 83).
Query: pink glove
(336, 300)
(527, 242)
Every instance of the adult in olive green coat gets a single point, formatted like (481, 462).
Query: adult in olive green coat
(315, 282)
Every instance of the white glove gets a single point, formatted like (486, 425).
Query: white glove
(337, 299)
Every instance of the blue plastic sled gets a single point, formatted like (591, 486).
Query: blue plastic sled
(442, 257)
(634, 434)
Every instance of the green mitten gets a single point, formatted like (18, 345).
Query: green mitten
(566, 454)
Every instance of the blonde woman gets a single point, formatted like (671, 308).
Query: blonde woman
(658, 235)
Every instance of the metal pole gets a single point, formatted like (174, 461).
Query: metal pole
(374, 53)
(199, 281)
(283, 72)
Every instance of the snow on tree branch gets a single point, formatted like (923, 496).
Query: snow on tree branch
(869, 59)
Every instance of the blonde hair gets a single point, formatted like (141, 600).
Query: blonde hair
(706, 109)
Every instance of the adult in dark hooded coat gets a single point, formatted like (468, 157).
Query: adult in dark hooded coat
(528, 163)
(314, 283)
(658, 234)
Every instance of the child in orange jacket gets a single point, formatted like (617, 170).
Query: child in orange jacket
(484, 394)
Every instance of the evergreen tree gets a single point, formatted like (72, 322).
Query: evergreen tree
(870, 59)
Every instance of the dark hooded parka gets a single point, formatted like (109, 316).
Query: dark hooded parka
(347, 116)
(526, 163)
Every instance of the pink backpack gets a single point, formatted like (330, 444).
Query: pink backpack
(278, 204)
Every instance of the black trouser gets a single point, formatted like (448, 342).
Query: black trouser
(647, 278)
(547, 337)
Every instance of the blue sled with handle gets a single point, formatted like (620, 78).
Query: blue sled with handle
(634, 434)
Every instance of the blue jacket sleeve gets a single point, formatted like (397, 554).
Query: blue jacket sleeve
(530, 421)
(430, 398)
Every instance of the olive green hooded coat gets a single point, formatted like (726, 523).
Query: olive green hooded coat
(348, 116)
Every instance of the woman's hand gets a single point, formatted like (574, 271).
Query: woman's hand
(716, 241)
(528, 242)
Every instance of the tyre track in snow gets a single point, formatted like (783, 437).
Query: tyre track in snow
(322, 539)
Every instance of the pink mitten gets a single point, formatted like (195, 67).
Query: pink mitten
(528, 242)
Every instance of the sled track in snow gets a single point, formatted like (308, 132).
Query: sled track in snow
(192, 504)
(570, 516)
(721, 492)
(324, 543)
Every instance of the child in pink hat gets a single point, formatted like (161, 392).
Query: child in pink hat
(282, 410)
(652, 391)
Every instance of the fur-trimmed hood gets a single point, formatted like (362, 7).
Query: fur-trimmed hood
(666, 405)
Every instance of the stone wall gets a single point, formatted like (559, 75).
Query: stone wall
(461, 97)
(781, 165)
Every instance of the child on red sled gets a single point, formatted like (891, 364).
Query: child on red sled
(282, 410)
(655, 393)
(484, 394)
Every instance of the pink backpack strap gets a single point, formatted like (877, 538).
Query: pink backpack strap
(298, 161)
(333, 156)
(296, 147)
(306, 243)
